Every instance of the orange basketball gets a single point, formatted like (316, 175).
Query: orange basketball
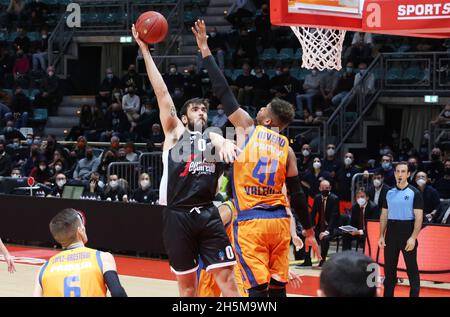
(152, 27)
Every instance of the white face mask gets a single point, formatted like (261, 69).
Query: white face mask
(317, 165)
(305, 153)
(348, 161)
(58, 168)
(361, 201)
(330, 152)
(113, 184)
(145, 183)
(15, 175)
(376, 183)
(42, 167)
(61, 183)
(319, 114)
(421, 182)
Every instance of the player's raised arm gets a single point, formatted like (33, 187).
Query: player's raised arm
(237, 116)
(168, 114)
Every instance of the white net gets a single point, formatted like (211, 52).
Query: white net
(322, 48)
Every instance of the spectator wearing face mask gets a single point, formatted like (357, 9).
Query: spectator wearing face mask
(378, 189)
(58, 167)
(16, 173)
(369, 83)
(262, 88)
(51, 94)
(431, 199)
(174, 81)
(387, 169)
(325, 218)
(130, 151)
(331, 164)
(108, 157)
(435, 170)
(311, 86)
(20, 109)
(116, 123)
(306, 159)
(442, 185)
(41, 173)
(113, 190)
(344, 178)
(86, 166)
(95, 187)
(132, 79)
(144, 194)
(58, 188)
(362, 210)
(109, 83)
(32, 161)
(413, 167)
(328, 85)
(40, 57)
(344, 85)
(220, 120)
(314, 176)
(131, 105)
(10, 132)
(5, 161)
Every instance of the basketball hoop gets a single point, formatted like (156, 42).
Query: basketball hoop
(322, 48)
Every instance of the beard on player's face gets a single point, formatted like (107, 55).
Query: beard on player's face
(195, 124)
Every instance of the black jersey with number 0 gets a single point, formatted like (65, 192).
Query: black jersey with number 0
(191, 173)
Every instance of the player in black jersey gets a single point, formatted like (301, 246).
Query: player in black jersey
(192, 224)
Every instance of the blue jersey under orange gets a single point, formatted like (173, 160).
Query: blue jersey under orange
(76, 272)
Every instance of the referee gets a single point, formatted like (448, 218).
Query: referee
(400, 224)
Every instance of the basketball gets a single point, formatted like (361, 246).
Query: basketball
(152, 27)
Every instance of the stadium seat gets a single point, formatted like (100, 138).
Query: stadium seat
(12, 36)
(413, 74)
(295, 72)
(33, 93)
(303, 73)
(269, 54)
(236, 74)
(395, 73)
(298, 54)
(286, 54)
(40, 115)
(34, 36)
(270, 72)
(3, 36)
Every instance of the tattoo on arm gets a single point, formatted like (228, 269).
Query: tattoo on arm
(173, 111)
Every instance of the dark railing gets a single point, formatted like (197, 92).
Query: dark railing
(58, 42)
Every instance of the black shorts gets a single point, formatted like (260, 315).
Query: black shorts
(190, 234)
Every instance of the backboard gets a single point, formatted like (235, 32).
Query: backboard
(333, 14)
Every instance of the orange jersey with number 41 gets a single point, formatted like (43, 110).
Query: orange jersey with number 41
(259, 173)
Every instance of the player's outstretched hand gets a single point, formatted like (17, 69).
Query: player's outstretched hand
(229, 151)
(10, 262)
(199, 30)
(311, 242)
(294, 279)
(298, 243)
(142, 44)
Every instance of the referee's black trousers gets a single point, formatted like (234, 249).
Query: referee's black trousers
(397, 234)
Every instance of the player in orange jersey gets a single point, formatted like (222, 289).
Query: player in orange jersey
(77, 271)
(266, 164)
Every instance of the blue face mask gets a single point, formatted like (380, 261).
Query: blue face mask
(386, 165)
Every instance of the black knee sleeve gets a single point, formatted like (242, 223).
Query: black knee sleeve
(259, 291)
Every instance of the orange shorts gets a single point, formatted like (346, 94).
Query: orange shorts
(207, 286)
(262, 246)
